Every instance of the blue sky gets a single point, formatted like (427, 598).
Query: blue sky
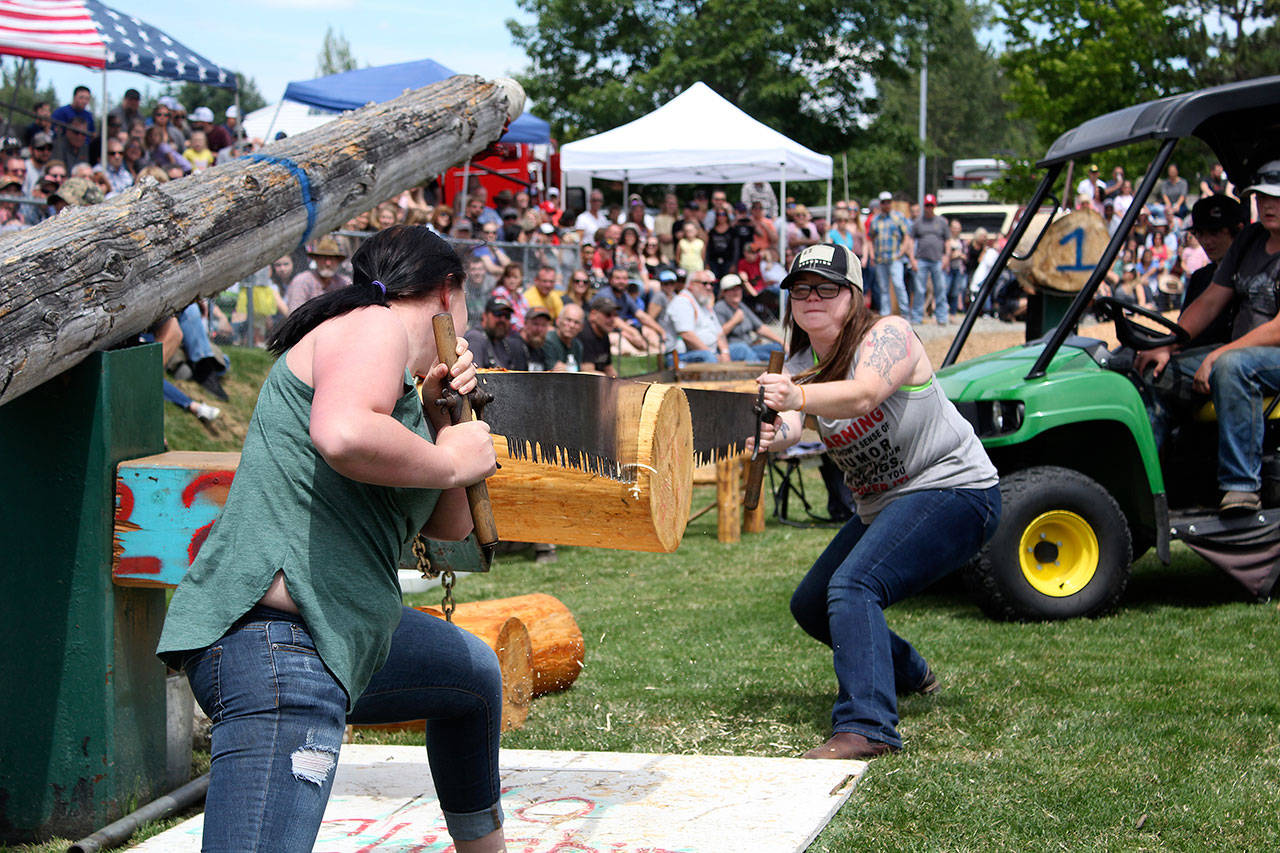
(275, 41)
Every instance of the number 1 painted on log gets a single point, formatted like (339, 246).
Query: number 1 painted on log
(1079, 265)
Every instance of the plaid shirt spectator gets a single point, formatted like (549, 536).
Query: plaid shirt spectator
(888, 232)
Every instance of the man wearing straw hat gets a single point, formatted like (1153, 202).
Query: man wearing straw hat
(326, 257)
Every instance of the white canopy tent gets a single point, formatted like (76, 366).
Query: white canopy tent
(288, 116)
(697, 137)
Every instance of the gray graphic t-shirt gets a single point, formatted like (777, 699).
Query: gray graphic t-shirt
(914, 440)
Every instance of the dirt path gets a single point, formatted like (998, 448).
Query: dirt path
(990, 335)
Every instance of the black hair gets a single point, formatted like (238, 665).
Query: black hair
(409, 261)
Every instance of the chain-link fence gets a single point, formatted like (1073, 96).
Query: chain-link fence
(242, 306)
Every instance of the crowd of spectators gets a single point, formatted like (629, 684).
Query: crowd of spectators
(1161, 250)
(66, 142)
(693, 278)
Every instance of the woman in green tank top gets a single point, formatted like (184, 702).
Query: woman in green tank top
(926, 493)
(289, 623)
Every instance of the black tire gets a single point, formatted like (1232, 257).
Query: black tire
(996, 578)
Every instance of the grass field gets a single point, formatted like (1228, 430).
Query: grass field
(1156, 728)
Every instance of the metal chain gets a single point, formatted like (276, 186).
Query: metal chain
(446, 577)
(446, 604)
(420, 553)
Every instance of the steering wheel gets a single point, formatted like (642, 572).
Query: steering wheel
(1134, 335)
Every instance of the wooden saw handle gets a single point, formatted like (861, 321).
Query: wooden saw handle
(755, 474)
(477, 493)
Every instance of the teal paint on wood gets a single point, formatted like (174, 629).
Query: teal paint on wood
(83, 703)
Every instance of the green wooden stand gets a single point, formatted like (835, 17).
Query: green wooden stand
(1045, 311)
(83, 699)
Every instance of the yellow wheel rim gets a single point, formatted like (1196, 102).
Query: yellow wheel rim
(1058, 553)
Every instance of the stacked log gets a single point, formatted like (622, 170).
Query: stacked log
(553, 634)
(538, 644)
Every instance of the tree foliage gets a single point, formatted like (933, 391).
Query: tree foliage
(1071, 60)
(1240, 39)
(20, 87)
(967, 115)
(192, 95)
(802, 68)
(335, 54)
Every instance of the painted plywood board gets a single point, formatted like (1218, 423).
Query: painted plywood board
(608, 802)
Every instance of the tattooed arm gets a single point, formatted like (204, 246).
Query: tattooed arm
(891, 356)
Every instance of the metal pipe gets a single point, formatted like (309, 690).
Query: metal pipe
(924, 112)
(1002, 260)
(119, 832)
(1069, 320)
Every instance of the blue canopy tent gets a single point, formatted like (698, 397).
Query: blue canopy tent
(350, 90)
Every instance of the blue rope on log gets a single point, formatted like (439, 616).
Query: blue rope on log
(304, 183)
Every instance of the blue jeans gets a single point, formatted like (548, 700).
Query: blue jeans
(915, 540)
(739, 351)
(174, 394)
(957, 284)
(1240, 379)
(886, 272)
(279, 715)
(195, 336)
(929, 270)
(695, 356)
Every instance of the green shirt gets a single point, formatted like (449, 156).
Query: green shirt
(556, 351)
(338, 541)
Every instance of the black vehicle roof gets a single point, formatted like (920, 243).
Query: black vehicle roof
(1239, 122)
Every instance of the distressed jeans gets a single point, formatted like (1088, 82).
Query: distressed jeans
(279, 716)
(917, 539)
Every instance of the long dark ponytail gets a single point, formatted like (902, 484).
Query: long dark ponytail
(406, 260)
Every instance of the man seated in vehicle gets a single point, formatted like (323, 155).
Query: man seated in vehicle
(1242, 372)
(1215, 222)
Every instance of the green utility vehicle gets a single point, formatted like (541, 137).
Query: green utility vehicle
(1085, 489)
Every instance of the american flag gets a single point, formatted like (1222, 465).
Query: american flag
(85, 32)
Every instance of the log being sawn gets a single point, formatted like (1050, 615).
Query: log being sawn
(91, 277)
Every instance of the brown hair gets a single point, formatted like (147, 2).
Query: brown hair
(836, 365)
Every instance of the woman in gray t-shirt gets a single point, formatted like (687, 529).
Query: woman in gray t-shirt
(926, 493)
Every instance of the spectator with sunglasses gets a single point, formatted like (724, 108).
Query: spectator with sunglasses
(72, 145)
(115, 170)
(41, 150)
(926, 493)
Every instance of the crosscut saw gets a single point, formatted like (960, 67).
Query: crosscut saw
(571, 419)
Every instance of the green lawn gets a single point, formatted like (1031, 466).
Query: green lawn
(1156, 728)
(1152, 729)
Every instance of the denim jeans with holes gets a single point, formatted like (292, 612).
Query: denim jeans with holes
(279, 716)
(917, 539)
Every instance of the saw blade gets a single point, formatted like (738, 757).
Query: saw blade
(571, 420)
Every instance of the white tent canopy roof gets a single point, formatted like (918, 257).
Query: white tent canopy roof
(696, 137)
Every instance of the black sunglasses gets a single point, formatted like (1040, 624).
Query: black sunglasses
(1267, 178)
(825, 290)
(43, 147)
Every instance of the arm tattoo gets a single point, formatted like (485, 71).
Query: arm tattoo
(783, 429)
(888, 347)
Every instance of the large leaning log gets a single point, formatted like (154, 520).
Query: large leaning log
(93, 276)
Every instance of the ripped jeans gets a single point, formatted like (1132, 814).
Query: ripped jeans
(279, 716)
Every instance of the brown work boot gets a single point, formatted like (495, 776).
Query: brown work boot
(850, 745)
(1239, 503)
